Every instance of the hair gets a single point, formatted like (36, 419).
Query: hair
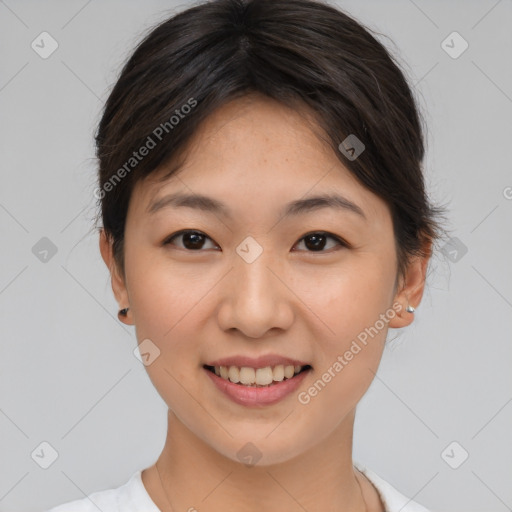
(304, 54)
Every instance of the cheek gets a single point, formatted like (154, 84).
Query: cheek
(164, 296)
(348, 354)
(354, 305)
(168, 311)
(353, 295)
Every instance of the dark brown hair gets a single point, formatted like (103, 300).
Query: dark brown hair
(303, 53)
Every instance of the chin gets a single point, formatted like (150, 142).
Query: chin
(259, 450)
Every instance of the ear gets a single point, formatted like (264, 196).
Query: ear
(118, 284)
(410, 289)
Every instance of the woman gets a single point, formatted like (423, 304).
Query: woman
(265, 221)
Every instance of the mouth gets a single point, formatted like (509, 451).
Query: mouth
(257, 377)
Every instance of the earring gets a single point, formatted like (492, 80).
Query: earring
(410, 309)
(122, 313)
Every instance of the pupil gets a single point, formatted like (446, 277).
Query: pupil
(193, 240)
(318, 241)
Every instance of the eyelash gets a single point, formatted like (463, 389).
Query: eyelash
(340, 241)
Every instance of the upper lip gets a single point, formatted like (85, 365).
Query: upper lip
(258, 362)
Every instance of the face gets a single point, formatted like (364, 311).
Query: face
(267, 278)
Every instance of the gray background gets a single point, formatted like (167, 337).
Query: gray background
(67, 371)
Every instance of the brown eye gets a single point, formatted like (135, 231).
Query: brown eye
(191, 240)
(317, 241)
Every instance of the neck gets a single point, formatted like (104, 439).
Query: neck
(192, 474)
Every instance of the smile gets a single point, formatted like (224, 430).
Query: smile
(257, 377)
(256, 387)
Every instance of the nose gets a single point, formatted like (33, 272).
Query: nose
(255, 298)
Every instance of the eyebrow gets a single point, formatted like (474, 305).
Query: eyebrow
(297, 207)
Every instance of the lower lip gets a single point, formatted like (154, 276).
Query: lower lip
(255, 396)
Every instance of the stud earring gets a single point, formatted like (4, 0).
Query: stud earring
(410, 309)
(123, 312)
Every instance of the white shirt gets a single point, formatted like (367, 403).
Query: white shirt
(133, 497)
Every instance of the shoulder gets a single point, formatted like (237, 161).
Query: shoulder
(393, 500)
(129, 497)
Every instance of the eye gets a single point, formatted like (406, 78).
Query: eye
(316, 241)
(191, 239)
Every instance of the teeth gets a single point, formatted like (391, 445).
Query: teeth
(289, 371)
(247, 375)
(233, 374)
(278, 373)
(264, 376)
(257, 376)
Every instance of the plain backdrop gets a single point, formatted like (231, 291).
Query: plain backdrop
(436, 421)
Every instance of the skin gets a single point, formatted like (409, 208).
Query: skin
(255, 156)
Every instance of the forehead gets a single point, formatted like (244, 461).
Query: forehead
(256, 146)
(256, 128)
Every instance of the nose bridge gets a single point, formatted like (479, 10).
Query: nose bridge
(254, 280)
(256, 301)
